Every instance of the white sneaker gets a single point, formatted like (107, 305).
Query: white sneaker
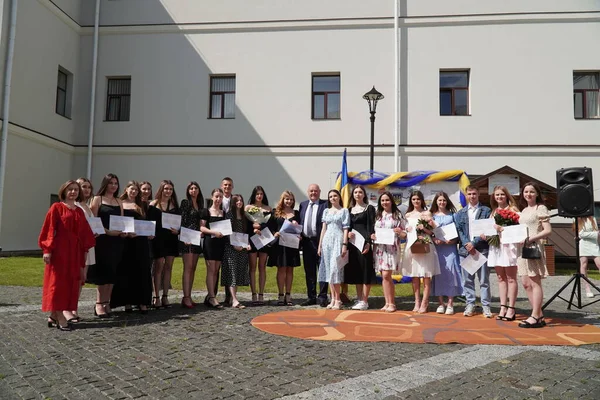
(440, 309)
(449, 310)
(487, 312)
(469, 310)
(589, 294)
(361, 305)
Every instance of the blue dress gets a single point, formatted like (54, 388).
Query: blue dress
(331, 247)
(448, 282)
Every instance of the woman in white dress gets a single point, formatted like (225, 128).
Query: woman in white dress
(588, 247)
(504, 257)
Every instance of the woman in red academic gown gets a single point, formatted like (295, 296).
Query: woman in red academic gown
(65, 239)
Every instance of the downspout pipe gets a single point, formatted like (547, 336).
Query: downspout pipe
(396, 87)
(93, 92)
(10, 52)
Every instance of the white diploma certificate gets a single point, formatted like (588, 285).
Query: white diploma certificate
(485, 226)
(238, 239)
(472, 263)
(358, 241)
(446, 232)
(513, 234)
(385, 236)
(411, 234)
(96, 225)
(263, 239)
(289, 240)
(289, 227)
(171, 221)
(224, 227)
(145, 228)
(121, 224)
(189, 236)
(341, 261)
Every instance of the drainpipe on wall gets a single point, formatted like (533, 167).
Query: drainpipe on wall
(93, 92)
(396, 86)
(6, 98)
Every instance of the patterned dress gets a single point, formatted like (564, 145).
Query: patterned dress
(533, 219)
(331, 247)
(235, 262)
(387, 256)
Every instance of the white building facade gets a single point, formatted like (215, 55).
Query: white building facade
(270, 93)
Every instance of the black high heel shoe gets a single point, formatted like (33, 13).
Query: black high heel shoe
(501, 317)
(216, 306)
(162, 300)
(52, 322)
(67, 328)
(505, 318)
(105, 315)
(539, 323)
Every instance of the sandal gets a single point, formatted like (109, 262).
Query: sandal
(288, 299)
(281, 300)
(156, 304)
(52, 322)
(216, 306)
(501, 317)
(104, 315)
(254, 299)
(105, 305)
(505, 318)
(162, 300)
(539, 323)
(238, 305)
(261, 300)
(391, 308)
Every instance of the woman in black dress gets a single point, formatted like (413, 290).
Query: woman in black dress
(359, 270)
(214, 245)
(165, 246)
(109, 247)
(258, 199)
(282, 257)
(134, 279)
(191, 208)
(234, 272)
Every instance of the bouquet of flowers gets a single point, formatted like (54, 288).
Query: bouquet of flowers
(503, 217)
(256, 215)
(421, 245)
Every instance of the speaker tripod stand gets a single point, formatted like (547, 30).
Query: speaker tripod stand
(576, 279)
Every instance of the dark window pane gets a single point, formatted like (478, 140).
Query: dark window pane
(592, 105)
(445, 102)
(586, 80)
(578, 104)
(62, 80)
(333, 105)
(461, 102)
(124, 109)
(319, 106)
(113, 108)
(216, 106)
(61, 102)
(326, 83)
(229, 99)
(454, 79)
(225, 84)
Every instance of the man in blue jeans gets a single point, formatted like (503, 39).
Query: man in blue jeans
(468, 245)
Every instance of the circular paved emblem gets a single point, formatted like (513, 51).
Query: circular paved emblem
(408, 327)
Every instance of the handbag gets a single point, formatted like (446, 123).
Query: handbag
(420, 248)
(531, 251)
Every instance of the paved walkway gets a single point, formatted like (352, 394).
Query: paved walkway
(207, 354)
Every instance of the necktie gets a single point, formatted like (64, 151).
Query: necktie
(309, 218)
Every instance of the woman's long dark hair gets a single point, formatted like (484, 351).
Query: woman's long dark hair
(257, 189)
(233, 210)
(396, 214)
(353, 200)
(417, 193)
(199, 198)
(538, 197)
(104, 185)
(172, 200)
(449, 205)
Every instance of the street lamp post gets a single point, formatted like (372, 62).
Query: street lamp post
(372, 97)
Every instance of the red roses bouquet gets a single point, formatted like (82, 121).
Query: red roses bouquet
(503, 217)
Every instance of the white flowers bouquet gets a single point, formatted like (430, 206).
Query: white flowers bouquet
(255, 215)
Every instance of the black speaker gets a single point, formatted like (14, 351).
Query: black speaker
(575, 192)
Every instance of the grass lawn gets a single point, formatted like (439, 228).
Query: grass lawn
(29, 271)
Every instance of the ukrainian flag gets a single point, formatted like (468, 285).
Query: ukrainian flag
(343, 185)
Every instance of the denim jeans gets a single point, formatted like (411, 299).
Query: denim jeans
(483, 274)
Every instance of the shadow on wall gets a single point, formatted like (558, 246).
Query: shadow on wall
(169, 135)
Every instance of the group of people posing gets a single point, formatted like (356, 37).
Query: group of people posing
(135, 271)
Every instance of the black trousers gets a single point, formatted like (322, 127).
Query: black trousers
(311, 264)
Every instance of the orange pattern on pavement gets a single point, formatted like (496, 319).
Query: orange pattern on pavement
(409, 327)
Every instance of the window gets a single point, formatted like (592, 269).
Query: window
(222, 97)
(64, 86)
(118, 99)
(326, 96)
(454, 92)
(586, 95)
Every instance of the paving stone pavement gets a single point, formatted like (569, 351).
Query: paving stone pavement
(209, 354)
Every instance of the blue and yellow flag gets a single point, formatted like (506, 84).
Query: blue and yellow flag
(344, 184)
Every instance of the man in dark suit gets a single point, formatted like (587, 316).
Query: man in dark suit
(311, 213)
(468, 245)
